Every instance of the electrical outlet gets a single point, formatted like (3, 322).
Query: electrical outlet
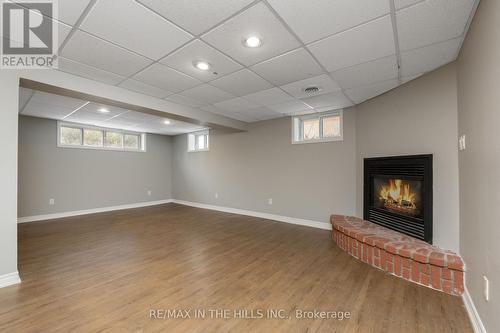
(216, 195)
(486, 288)
(149, 193)
(270, 201)
(461, 142)
(52, 202)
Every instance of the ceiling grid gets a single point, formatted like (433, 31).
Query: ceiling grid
(352, 51)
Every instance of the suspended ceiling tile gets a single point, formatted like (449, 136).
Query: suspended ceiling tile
(96, 52)
(256, 21)
(367, 42)
(241, 83)
(289, 67)
(312, 20)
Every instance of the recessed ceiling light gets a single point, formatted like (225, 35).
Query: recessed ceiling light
(103, 110)
(202, 65)
(253, 41)
(167, 122)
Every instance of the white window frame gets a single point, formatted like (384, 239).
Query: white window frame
(319, 116)
(81, 127)
(206, 133)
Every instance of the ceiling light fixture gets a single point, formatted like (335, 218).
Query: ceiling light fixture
(202, 65)
(253, 41)
(167, 122)
(103, 110)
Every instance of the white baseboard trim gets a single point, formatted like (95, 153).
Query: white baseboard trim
(279, 218)
(90, 211)
(476, 321)
(9, 279)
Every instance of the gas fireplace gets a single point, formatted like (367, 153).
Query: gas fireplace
(398, 194)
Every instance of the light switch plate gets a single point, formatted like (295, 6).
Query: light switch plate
(461, 142)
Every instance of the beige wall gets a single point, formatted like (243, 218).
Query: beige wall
(309, 181)
(419, 117)
(81, 179)
(479, 120)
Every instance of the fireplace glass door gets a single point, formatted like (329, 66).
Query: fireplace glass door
(397, 195)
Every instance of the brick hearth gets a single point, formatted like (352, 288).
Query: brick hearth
(400, 255)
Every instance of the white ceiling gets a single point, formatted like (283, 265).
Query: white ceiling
(352, 49)
(51, 106)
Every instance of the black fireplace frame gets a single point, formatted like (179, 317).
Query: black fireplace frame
(411, 167)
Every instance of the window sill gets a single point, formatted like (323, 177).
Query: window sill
(198, 150)
(123, 150)
(334, 139)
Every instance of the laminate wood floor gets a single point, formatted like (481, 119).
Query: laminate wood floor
(107, 272)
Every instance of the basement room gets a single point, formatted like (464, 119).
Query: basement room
(249, 166)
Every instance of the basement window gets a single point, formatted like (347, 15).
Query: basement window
(70, 135)
(198, 141)
(320, 127)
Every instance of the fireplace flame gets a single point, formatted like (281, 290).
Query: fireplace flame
(397, 194)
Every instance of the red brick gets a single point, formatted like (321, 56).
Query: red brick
(437, 259)
(355, 245)
(406, 262)
(407, 250)
(383, 258)
(391, 248)
(425, 279)
(399, 254)
(447, 286)
(370, 240)
(455, 262)
(458, 278)
(446, 274)
(370, 255)
(406, 273)
(404, 252)
(415, 271)
(422, 255)
(381, 242)
(397, 265)
(436, 277)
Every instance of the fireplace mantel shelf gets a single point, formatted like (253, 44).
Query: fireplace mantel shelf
(406, 257)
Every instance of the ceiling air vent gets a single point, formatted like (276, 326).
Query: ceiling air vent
(312, 90)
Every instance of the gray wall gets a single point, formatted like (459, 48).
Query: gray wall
(419, 117)
(479, 120)
(81, 179)
(9, 92)
(312, 181)
(309, 181)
